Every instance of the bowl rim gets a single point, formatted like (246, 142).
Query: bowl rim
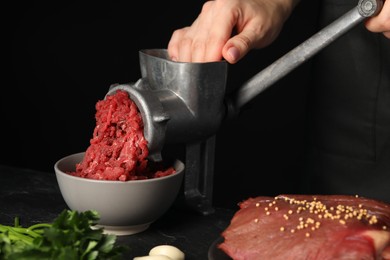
(89, 180)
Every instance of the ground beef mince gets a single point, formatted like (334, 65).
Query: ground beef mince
(118, 149)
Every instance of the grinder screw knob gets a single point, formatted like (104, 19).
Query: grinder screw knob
(368, 8)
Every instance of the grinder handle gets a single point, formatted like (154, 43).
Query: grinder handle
(301, 53)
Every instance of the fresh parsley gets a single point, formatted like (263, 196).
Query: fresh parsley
(70, 236)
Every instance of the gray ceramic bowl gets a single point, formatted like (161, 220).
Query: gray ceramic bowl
(124, 207)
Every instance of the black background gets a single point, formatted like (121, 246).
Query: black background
(62, 58)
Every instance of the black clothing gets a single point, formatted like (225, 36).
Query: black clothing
(348, 149)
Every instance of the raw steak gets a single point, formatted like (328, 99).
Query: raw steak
(309, 227)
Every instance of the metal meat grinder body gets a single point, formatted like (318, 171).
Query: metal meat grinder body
(186, 103)
(182, 103)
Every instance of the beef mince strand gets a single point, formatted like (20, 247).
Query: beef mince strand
(118, 149)
(310, 227)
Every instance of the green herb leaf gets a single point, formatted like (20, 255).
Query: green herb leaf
(72, 235)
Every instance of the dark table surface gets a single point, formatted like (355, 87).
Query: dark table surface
(34, 197)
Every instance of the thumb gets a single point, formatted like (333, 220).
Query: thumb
(236, 48)
(239, 45)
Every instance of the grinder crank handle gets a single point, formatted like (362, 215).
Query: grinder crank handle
(294, 58)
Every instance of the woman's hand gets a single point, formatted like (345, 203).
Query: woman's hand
(381, 22)
(229, 29)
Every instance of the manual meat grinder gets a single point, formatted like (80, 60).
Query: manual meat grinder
(185, 103)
